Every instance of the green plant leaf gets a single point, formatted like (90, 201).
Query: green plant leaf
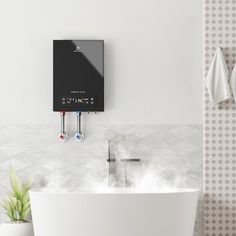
(17, 205)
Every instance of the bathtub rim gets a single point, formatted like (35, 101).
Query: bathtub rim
(98, 191)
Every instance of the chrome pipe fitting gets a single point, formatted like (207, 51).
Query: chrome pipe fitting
(63, 136)
(79, 136)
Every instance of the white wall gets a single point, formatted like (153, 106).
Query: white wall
(153, 58)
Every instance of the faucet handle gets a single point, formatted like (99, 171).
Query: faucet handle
(111, 160)
(130, 159)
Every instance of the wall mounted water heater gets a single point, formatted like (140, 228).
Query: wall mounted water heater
(78, 79)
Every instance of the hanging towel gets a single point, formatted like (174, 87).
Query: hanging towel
(217, 80)
(232, 82)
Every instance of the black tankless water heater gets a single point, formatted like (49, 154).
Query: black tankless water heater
(78, 75)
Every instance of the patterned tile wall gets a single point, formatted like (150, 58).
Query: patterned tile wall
(220, 126)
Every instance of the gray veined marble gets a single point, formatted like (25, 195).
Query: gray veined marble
(171, 156)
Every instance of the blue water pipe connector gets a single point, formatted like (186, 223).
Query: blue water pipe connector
(79, 136)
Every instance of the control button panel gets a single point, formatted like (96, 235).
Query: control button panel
(78, 100)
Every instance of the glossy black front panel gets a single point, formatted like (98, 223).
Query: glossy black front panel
(78, 75)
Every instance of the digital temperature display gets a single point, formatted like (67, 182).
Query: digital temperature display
(81, 100)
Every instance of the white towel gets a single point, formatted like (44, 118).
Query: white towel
(217, 80)
(232, 82)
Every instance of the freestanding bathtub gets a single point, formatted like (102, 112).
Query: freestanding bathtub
(115, 212)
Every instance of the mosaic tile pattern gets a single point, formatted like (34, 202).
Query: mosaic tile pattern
(220, 126)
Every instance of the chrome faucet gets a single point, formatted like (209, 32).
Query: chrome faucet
(111, 160)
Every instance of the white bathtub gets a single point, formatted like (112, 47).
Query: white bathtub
(116, 212)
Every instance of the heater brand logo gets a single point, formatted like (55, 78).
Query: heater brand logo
(77, 49)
